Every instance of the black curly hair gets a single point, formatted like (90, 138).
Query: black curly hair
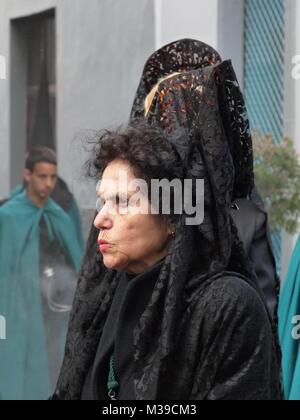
(145, 147)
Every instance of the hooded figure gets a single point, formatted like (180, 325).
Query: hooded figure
(65, 199)
(203, 311)
(40, 257)
(246, 207)
(27, 353)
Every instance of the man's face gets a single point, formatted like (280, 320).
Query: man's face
(42, 180)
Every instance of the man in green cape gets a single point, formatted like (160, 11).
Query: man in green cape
(40, 254)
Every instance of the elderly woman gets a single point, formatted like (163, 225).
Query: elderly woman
(161, 294)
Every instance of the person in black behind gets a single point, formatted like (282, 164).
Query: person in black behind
(247, 208)
(162, 294)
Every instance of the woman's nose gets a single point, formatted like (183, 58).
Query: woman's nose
(102, 221)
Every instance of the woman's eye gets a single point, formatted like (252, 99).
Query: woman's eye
(99, 204)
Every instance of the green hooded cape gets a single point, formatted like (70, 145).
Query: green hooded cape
(24, 371)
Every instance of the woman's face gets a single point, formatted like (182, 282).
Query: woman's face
(135, 241)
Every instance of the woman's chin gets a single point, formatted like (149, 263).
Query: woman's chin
(110, 262)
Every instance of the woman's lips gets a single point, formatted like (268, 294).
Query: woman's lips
(103, 246)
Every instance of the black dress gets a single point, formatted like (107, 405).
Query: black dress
(223, 347)
(130, 301)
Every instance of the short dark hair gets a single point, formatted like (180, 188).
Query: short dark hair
(40, 155)
(150, 154)
(145, 147)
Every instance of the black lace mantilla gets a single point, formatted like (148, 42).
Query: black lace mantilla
(189, 55)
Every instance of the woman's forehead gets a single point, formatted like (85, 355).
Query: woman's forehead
(116, 168)
(118, 179)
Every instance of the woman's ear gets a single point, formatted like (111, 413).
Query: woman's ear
(172, 230)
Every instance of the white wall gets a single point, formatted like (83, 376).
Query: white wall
(196, 19)
(17, 8)
(101, 53)
(231, 34)
(219, 23)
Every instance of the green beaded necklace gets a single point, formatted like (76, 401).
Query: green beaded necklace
(112, 384)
